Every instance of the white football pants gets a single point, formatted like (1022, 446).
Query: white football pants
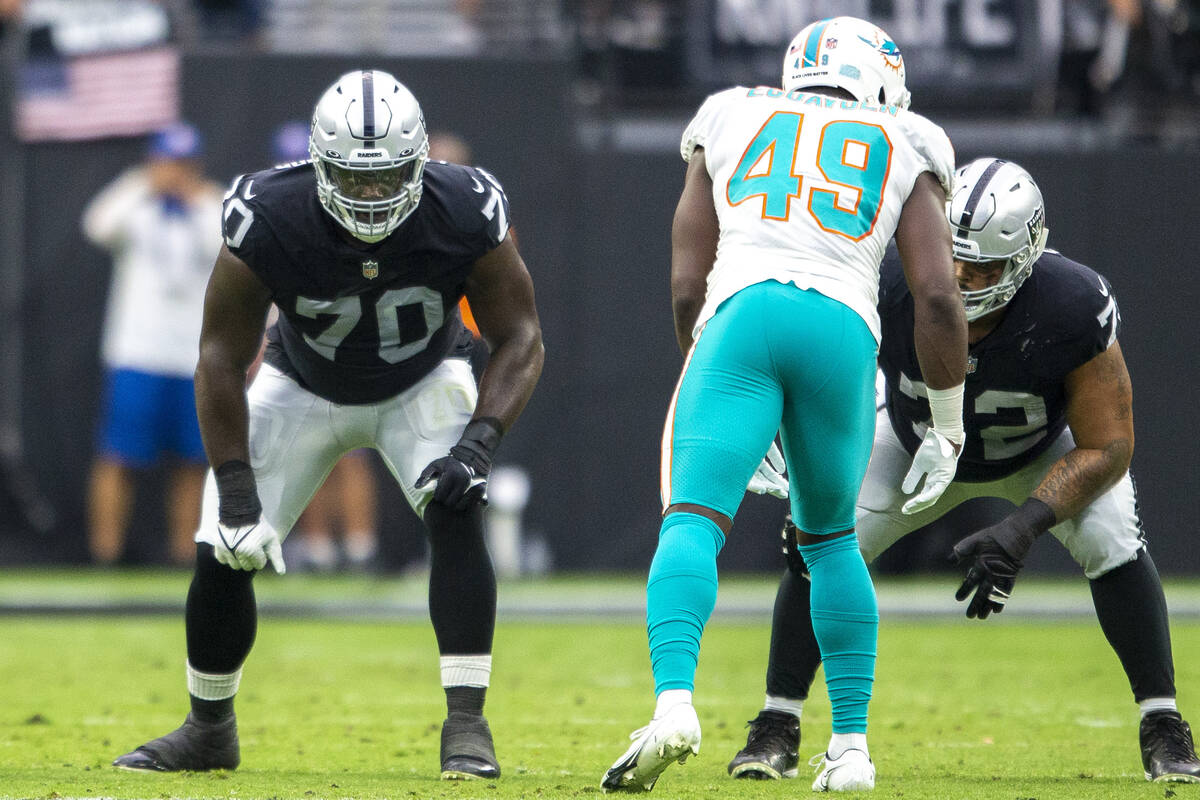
(1100, 538)
(296, 437)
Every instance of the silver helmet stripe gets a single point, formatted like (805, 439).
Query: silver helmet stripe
(368, 90)
(968, 214)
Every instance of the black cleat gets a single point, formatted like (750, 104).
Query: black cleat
(467, 749)
(772, 748)
(1168, 754)
(193, 746)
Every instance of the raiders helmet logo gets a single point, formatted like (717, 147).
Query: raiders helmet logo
(370, 269)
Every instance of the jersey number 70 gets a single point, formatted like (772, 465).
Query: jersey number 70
(853, 157)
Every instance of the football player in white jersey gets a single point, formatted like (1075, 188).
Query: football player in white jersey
(790, 199)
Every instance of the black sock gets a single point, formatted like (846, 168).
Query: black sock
(221, 615)
(465, 699)
(1133, 615)
(795, 654)
(462, 583)
(212, 710)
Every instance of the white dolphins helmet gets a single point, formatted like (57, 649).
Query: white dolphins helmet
(369, 147)
(996, 214)
(851, 54)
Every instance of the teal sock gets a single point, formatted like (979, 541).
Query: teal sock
(680, 594)
(845, 620)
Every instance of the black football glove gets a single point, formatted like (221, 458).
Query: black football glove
(999, 553)
(462, 475)
(791, 548)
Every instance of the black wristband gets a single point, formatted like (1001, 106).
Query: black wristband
(478, 444)
(237, 494)
(1036, 516)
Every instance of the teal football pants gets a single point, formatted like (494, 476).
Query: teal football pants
(773, 357)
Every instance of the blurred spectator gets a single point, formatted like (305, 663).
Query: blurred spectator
(290, 142)
(449, 146)
(161, 222)
(346, 507)
(10, 12)
(509, 485)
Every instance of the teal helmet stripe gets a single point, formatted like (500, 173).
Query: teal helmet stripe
(813, 44)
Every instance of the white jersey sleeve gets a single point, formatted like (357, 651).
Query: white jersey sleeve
(930, 142)
(808, 189)
(697, 131)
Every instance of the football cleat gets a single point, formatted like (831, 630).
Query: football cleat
(671, 738)
(852, 771)
(467, 749)
(194, 746)
(1168, 754)
(772, 748)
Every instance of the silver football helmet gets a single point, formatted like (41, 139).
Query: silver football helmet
(996, 214)
(851, 54)
(369, 147)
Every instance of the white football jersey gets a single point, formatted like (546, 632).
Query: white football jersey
(162, 258)
(808, 189)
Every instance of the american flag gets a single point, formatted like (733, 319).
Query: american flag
(94, 96)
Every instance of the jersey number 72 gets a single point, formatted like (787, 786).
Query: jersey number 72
(853, 157)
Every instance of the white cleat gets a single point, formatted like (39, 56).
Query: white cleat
(852, 771)
(672, 737)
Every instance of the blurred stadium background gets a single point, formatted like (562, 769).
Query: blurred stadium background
(577, 107)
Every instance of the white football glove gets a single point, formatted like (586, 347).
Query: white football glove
(936, 461)
(249, 547)
(768, 478)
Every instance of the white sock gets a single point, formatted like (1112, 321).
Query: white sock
(360, 547)
(321, 551)
(670, 698)
(210, 686)
(1152, 704)
(785, 705)
(466, 670)
(841, 742)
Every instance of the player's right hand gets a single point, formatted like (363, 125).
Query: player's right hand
(936, 461)
(249, 546)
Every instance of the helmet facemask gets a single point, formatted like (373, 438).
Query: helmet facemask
(370, 201)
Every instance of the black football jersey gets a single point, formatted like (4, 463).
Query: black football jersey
(362, 322)
(1014, 403)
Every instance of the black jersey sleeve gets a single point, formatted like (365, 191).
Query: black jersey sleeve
(237, 218)
(1079, 305)
(474, 204)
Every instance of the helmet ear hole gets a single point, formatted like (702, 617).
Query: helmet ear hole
(882, 97)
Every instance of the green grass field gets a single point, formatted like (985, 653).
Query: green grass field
(336, 708)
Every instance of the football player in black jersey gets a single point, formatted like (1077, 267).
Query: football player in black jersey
(1049, 423)
(366, 250)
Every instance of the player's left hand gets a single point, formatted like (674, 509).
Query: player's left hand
(768, 478)
(459, 484)
(999, 553)
(462, 475)
(936, 461)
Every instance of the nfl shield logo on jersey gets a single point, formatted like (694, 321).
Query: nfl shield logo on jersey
(370, 269)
